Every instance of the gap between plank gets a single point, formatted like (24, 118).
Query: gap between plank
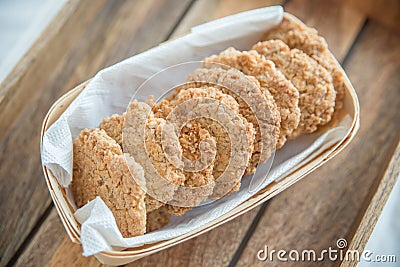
(183, 15)
(259, 215)
(30, 236)
(359, 34)
(238, 253)
(284, 3)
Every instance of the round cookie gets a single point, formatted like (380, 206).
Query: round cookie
(223, 157)
(297, 35)
(113, 127)
(235, 83)
(100, 169)
(145, 140)
(272, 82)
(317, 95)
(230, 102)
(191, 137)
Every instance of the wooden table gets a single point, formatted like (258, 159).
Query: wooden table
(341, 199)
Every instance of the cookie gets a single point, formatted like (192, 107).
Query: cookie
(143, 137)
(314, 83)
(113, 127)
(190, 139)
(157, 219)
(100, 169)
(253, 106)
(152, 203)
(273, 84)
(228, 162)
(297, 35)
(198, 184)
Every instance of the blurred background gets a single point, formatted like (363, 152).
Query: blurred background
(21, 23)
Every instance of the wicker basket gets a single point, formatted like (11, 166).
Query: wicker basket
(65, 211)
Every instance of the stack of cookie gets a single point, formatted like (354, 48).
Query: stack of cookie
(290, 75)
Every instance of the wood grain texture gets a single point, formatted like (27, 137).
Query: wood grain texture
(51, 247)
(339, 24)
(386, 12)
(93, 28)
(374, 208)
(207, 10)
(325, 206)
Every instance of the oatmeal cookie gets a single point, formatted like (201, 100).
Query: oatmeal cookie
(199, 184)
(274, 85)
(225, 157)
(100, 170)
(297, 35)
(157, 219)
(162, 175)
(317, 95)
(253, 106)
(190, 139)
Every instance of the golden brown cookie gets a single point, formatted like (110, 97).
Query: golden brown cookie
(157, 219)
(297, 35)
(252, 105)
(191, 137)
(274, 85)
(147, 139)
(113, 127)
(317, 95)
(223, 159)
(100, 170)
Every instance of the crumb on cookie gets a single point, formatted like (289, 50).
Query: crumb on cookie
(280, 94)
(157, 219)
(314, 83)
(297, 35)
(100, 170)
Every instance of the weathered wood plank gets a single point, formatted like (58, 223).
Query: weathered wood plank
(107, 32)
(214, 248)
(374, 208)
(206, 10)
(47, 248)
(338, 23)
(387, 12)
(327, 204)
